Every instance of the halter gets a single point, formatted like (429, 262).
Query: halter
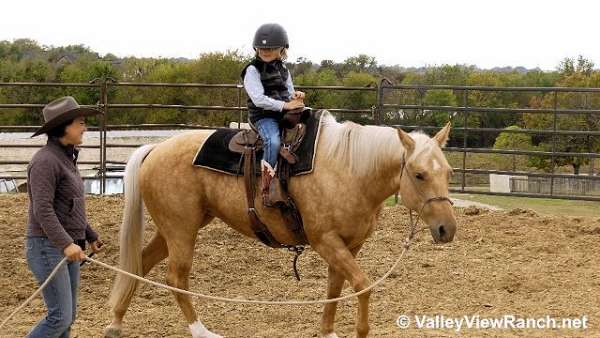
(414, 222)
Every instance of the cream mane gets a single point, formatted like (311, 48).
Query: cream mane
(365, 149)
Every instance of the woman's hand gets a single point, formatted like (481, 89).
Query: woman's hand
(97, 246)
(293, 104)
(298, 95)
(73, 252)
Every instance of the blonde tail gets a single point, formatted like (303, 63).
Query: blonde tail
(132, 229)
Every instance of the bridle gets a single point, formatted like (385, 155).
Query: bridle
(414, 221)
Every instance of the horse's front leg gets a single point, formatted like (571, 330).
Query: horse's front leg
(335, 285)
(335, 282)
(334, 251)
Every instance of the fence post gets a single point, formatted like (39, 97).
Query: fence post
(101, 127)
(465, 135)
(103, 103)
(239, 104)
(379, 104)
(105, 128)
(588, 119)
(553, 158)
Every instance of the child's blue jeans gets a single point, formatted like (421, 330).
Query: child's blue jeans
(268, 129)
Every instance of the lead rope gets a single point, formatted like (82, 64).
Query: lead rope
(405, 247)
(37, 292)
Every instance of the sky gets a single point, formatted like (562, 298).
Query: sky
(485, 33)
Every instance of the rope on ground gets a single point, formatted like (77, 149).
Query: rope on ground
(37, 292)
(405, 246)
(256, 301)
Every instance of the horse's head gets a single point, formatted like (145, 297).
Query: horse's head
(424, 181)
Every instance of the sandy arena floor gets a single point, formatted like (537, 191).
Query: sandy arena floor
(501, 262)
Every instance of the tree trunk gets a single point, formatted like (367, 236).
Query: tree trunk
(576, 168)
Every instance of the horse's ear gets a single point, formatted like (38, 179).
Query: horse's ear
(442, 136)
(407, 141)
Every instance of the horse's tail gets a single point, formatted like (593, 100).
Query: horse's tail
(131, 234)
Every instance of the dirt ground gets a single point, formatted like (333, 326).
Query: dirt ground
(500, 263)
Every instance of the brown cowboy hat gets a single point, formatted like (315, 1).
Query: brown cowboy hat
(62, 110)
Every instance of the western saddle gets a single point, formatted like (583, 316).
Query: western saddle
(248, 142)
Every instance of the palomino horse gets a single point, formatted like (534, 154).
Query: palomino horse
(364, 164)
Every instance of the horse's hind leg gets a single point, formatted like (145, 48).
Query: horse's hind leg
(181, 254)
(152, 254)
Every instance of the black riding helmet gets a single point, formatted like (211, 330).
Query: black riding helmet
(270, 35)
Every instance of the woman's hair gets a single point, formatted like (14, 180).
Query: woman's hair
(60, 130)
(283, 53)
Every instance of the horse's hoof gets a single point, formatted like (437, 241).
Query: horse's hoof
(112, 332)
(198, 330)
(208, 334)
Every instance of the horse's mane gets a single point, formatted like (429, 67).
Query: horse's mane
(364, 149)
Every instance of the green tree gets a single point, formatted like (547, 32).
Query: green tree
(574, 74)
(512, 141)
(320, 98)
(442, 97)
(360, 64)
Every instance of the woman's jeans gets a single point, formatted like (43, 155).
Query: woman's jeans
(268, 129)
(60, 295)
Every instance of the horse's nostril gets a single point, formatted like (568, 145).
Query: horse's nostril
(442, 231)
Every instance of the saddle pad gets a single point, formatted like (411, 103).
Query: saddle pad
(215, 155)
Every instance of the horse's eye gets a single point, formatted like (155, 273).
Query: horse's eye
(420, 176)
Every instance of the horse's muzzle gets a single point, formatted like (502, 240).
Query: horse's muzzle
(443, 233)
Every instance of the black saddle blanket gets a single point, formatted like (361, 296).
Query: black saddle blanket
(214, 154)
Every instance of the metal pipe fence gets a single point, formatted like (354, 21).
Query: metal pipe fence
(378, 111)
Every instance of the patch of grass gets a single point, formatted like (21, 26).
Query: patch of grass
(390, 201)
(544, 206)
(540, 205)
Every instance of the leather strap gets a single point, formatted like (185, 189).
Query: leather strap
(289, 211)
(260, 229)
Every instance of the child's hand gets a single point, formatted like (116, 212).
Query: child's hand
(293, 104)
(298, 95)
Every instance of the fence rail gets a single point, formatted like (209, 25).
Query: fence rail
(378, 111)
